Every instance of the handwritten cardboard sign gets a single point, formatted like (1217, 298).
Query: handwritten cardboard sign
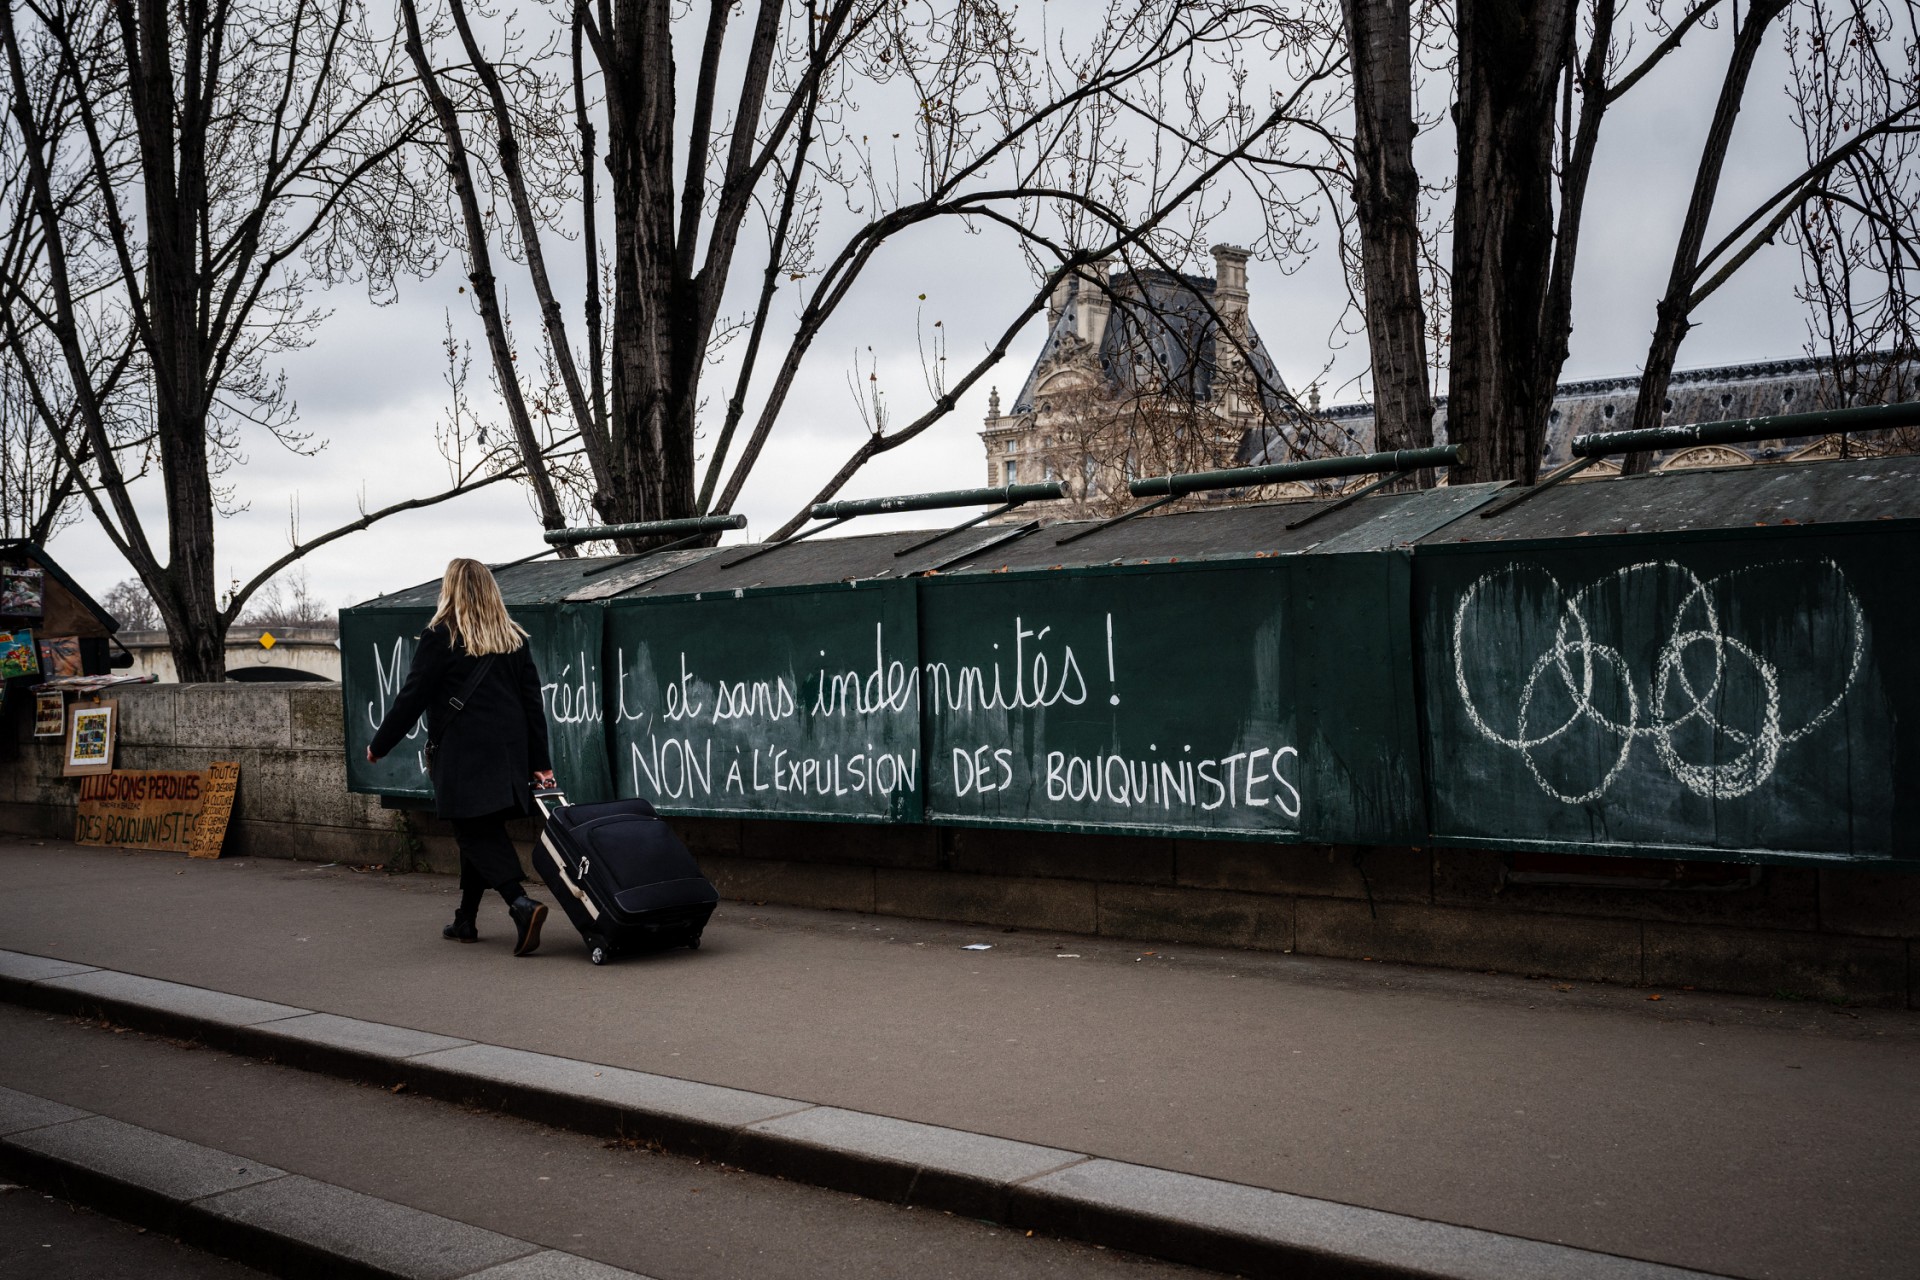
(223, 780)
(172, 811)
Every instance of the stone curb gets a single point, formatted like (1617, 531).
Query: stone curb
(253, 1213)
(1180, 1217)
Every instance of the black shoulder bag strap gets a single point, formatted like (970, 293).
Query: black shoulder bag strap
(459, 703)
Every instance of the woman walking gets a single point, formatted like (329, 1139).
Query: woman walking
(474, 677)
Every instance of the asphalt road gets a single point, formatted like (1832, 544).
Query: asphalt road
(42, 1238)
(1753, 1137)
(660, 1215)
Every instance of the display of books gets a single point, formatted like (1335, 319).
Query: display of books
(92, 684)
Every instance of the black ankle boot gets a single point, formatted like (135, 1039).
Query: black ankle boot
(462, 929)
(528, 916)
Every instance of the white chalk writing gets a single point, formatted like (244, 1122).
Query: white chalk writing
(1583, 682)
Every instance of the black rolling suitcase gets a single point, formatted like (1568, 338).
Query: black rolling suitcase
(622, 876)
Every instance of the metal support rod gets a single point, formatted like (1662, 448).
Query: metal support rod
(495, 568)
(646, 529)
(624, 561)
(945, 533)
(1011, 494)
(1308, 469)
(1777, 426)
(1108, 524)
(757, 552)
(1349, 500)
(1013, 534)
(1546, 482)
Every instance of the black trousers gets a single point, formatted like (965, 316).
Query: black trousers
(487, 856)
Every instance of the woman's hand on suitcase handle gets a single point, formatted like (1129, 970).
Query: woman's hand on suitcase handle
(543, 778)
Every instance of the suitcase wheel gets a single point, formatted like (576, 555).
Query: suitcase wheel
(599, 950)
(693, 943)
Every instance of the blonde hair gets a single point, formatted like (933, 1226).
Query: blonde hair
(475, 615)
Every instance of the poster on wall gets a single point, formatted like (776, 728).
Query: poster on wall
(165, 810)
(22, 592)
(49, 713)
(17, 655)
(90, 739)
(60, 656)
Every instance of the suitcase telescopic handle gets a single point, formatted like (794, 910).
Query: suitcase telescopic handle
(549, 799)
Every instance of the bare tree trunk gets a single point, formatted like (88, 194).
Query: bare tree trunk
(173, 143)
(653, 465)
(1673, 314)
(1511, 55)
(1386, 200)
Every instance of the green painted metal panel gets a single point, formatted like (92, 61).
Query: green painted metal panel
(376, 648)
(1270, 698)
(1744, 694)
(791, 702)
(567, 641)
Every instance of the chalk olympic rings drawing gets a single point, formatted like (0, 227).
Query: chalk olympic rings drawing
(1581, 668)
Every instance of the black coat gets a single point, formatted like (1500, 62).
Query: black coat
(489, 751)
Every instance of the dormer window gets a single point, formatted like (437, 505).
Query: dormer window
(1010, 444)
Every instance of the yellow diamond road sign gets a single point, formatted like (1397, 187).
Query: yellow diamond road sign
(266, 639)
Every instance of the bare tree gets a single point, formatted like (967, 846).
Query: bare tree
(131, 606)
(1108, 147)
(187, 175)
(36, 486)
(1855, 103)
(1386, 211)
(1859, 235)
(1525, 160)
(288, 601)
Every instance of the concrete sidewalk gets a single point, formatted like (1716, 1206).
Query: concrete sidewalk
(1739, 1136)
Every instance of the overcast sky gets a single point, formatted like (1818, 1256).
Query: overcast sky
(371, 384)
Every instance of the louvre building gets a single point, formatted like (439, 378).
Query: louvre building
(1129, 381)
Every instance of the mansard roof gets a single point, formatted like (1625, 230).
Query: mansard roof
(1592, 405)
(1161, 332)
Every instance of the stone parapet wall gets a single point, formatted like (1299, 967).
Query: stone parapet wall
(292, 801)
(1837, 933)
(1841, 934)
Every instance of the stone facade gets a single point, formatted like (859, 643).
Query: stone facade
(1134, 379)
